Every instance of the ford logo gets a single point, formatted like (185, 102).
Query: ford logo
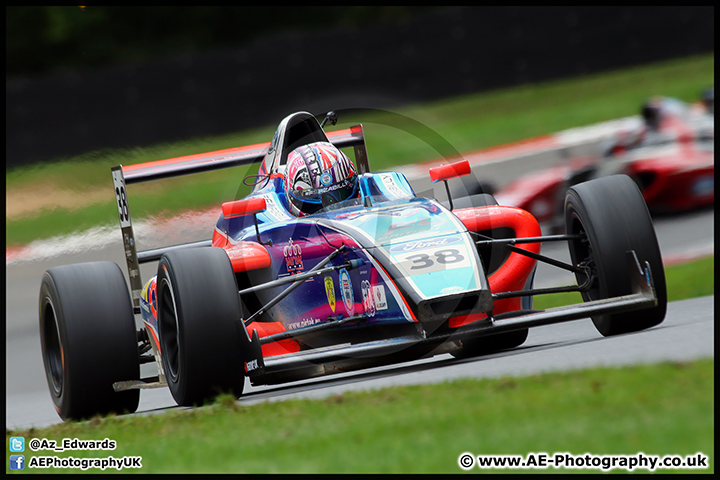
(424, 244)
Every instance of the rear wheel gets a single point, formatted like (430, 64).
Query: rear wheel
(611, 213)
(88, 339)
(199, 316)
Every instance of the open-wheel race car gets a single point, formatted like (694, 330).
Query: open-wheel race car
(674, 167)
(328, 267)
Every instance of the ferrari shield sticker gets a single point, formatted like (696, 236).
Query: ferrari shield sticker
(347, 292)
(330, 292)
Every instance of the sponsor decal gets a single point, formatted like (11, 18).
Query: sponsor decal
(152, 296)
(251, 365)
(128, 245)
(330, 292)
(425, 244)
(347, 292)
(293, 257)
(368, 298)
(332, 188)
(305, 322)
(326, 179)
(379, 297)
(392, 187)
(273, 209)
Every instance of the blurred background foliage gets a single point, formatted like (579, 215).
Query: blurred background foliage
(82, 79)
(56, 39)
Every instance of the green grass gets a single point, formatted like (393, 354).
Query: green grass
(408, 135)
(660, 409)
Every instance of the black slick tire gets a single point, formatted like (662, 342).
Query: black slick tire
(612, 214)
(88, 339)
(198, 313)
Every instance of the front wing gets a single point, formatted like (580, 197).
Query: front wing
(349, 357)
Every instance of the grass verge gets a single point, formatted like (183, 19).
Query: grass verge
(663, 409)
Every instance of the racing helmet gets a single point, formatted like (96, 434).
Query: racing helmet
(318, 175)
(652, 114)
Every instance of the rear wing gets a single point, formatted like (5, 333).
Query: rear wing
(186, 165)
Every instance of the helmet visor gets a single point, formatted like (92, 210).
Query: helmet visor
(339, 192)
(310, 201)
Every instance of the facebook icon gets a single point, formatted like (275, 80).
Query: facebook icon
(17, 462)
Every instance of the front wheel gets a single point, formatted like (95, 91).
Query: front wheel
(88, 339)
(199, 322)
(611, 214)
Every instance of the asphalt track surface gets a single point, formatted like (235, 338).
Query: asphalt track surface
(687, 332)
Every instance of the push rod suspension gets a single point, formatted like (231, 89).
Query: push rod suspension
(538, 291)
(543, 291)
(513, 241)
(509, 243)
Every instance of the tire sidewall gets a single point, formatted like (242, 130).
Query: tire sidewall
(90, 309)
(207, 309)
(614, 216)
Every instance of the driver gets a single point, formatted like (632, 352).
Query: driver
(651, 132)
(318, 175)
(708, 99)
(652, 113)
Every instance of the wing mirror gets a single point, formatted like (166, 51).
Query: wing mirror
(246, 206)
(448, 171)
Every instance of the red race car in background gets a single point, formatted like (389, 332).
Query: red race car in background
(670, 156)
